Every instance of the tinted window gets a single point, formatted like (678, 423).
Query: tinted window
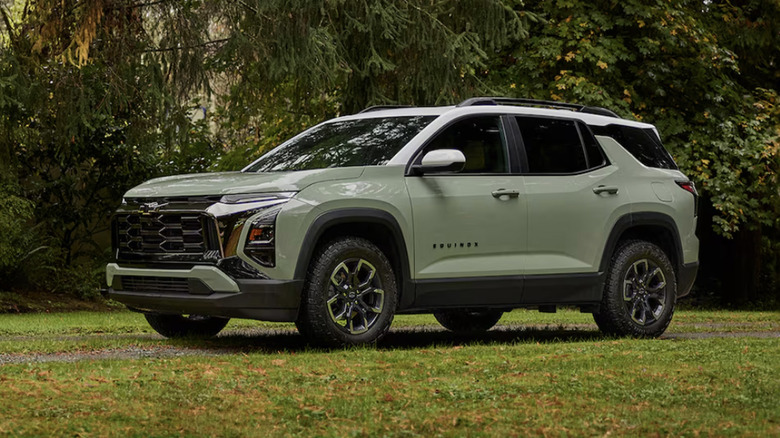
(481, 141)
(592, 149)
(362, 142)
(551, 145)
(643, 144)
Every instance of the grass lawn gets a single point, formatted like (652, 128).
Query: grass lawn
(558, 377)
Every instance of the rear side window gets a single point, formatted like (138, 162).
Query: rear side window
(592, 149)
(552, 145)
(643, 144)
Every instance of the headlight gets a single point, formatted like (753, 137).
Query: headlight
(261, 238)
(247, 202)
(243, 198)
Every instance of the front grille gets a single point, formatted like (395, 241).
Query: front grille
(160, 233)
(155, 284)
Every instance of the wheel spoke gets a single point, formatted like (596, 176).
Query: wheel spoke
(645, 271)
(336, 317)
(379, 303)
(370, 270)
(628, 290)
(635, 309)
(379, 299)
(660, 285)
(658, 275)
(658, 295)
(637, 275)
(657, 310)
(364, 315)
(340, 276)
(342, 314)
(354, 312)
(640, 307)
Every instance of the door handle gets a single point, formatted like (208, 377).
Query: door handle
(604, 189)
(504, 192)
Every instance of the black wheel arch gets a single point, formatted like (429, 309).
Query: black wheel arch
(362, 222)
(654, 227)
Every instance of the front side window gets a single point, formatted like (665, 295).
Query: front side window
(480, 139)
(552, 145)
(361, 142)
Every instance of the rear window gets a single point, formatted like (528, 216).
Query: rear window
(643, 144)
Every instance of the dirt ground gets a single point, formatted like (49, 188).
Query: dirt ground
(257, 340)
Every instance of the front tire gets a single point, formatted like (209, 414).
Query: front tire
(350, 294)
(192, 326)
(467, 321)
(640, 292)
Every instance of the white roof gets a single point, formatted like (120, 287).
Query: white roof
(445, 114)
(448, 113)
(454, 111)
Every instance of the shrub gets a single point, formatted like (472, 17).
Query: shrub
(18, 240)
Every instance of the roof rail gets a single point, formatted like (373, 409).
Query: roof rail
(383, 107)
(475, 101)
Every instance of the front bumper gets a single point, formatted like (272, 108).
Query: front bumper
(205, 290)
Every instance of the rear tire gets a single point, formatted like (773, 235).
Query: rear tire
(350, 294)
(468, 321)
(640, 292)
(192, 326)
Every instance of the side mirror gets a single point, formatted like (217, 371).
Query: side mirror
(441, 160)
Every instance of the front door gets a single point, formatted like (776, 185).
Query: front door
(469, 227)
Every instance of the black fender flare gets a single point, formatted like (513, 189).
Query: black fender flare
(630, 220)
(359, 215)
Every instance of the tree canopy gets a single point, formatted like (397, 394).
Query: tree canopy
(98, 95)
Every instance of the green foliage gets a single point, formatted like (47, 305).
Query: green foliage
(325, 58)
(17, 243)
(99, 95)
(78, 136)
(661, 63)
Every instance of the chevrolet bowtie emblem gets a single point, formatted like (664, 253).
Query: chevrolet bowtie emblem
(150, 207)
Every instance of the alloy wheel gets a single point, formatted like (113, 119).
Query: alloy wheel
(644, 292)
(356, 298)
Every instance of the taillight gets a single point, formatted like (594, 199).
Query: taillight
(690, 187)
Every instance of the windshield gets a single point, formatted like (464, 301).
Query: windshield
(361, 142)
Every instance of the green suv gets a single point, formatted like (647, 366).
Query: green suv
(463, 211)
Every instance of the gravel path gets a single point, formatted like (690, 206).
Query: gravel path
(270, 341)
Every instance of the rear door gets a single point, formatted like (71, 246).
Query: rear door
(574, 197)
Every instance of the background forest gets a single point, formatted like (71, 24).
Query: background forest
(98, 95)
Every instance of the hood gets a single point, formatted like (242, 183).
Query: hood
(227, 183)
